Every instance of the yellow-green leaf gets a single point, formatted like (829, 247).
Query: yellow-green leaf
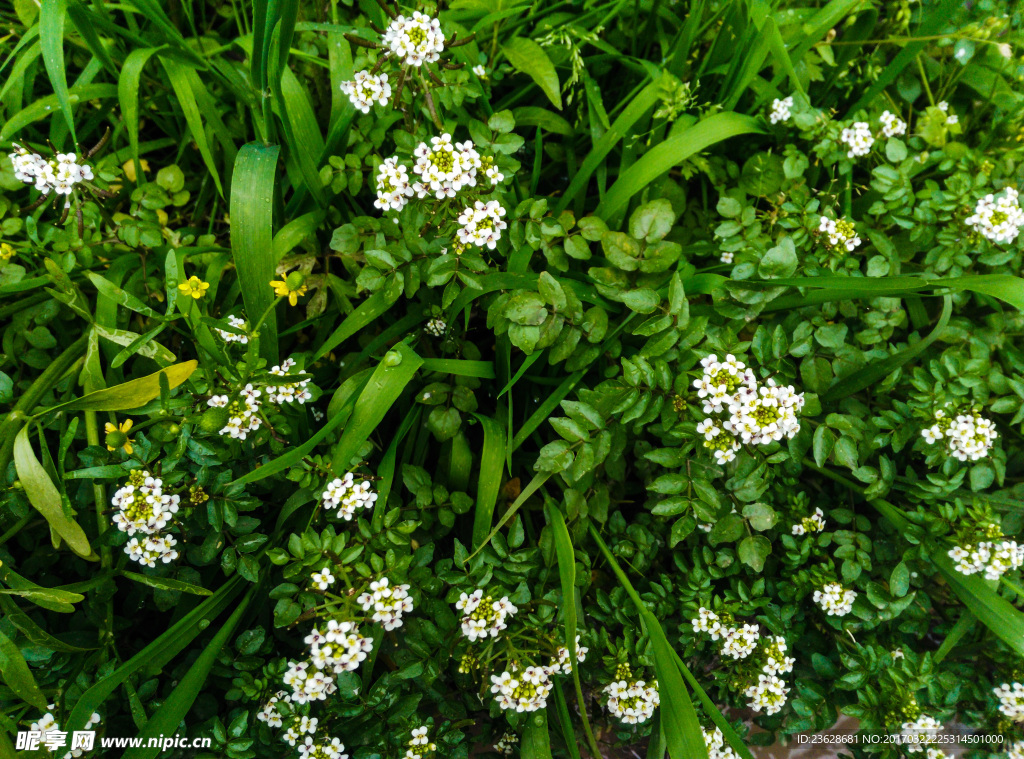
(44, 496)
(18, 676)
(131, 394)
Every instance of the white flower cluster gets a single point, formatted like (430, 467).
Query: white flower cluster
(525, 691)
(231, 337)
(393, 186)
(1015, 750)
(757, 415)
(841, 234)
(769, 693)
(388, 602)
(918, 734)
(1011, 700)
(48, 724)
(290, 392)
(340, 648)
(781, 110)
(858, 139)
(300, 726)
(483, 616)
(269, 712)
(995, 559)
(968, 437)
(506, 744)
(814, 523)
(333, 749)
(419, 744)
(560, 663)
(715, 742)
(835, 600)
(892, 125)
(951, 118)
(631, 701)
(144, 507)
(58, 175)
(415, 40)
(365, 89)
(482, 224)
(242, 412)
(999, 219)
(344, 494)
(435, 327)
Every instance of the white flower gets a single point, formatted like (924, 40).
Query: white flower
(415, 40)
(841, 234)
(506, 744)
(715, 742)
(896, 653)
(1015, 751)
(726, 257)
(231, 337)
(892, 125)
(347, 496)
(58, 175)
(445, 167)
(393, 186)
(525, 691)
(435, 327)
(631, 701)
(740, 642)
(919, 733)
(813, 523)
(835, 600)
(1011, 700)
(858, 139)
(968, 436)
(332, 749)
(365, 89)
(767, 694)
(999, 219)
(482, 224)
(480, 71)
(483, 616)
(323, 579)
(388, 603)
(781, 110)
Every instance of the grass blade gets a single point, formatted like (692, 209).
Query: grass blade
(527, 56)
(178, 75)
(567, 575)
(492, 466)
(385, 386)
(682, 728)
(131, 394)
(252, 238)
(365, 313)
(536, 741)
(460, 367)
(673, 151)
(51, 37)
(641, 104)
(534, 485)
(172, 711)
(565, 720)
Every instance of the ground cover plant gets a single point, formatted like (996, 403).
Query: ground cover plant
(589, 378)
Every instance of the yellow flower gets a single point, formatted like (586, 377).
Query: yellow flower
(283, 288)
(117, 437)
(6, 252)
(194, 287)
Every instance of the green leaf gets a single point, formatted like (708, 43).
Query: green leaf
(45, 497)
(128, 97)
(874, 373)
(18, 676)
(753, 550)
(671, 152)
(460, 367)
(527, 56)
(492, 466)
(183, 79)
(252, 239)
(365, 314)
(780, 261)
(131, 394)
(33, 632)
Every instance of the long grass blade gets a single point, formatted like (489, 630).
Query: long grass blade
(51, 36)
(252, 236)
(492, 465)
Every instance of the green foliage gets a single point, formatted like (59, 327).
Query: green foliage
(631, 318)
